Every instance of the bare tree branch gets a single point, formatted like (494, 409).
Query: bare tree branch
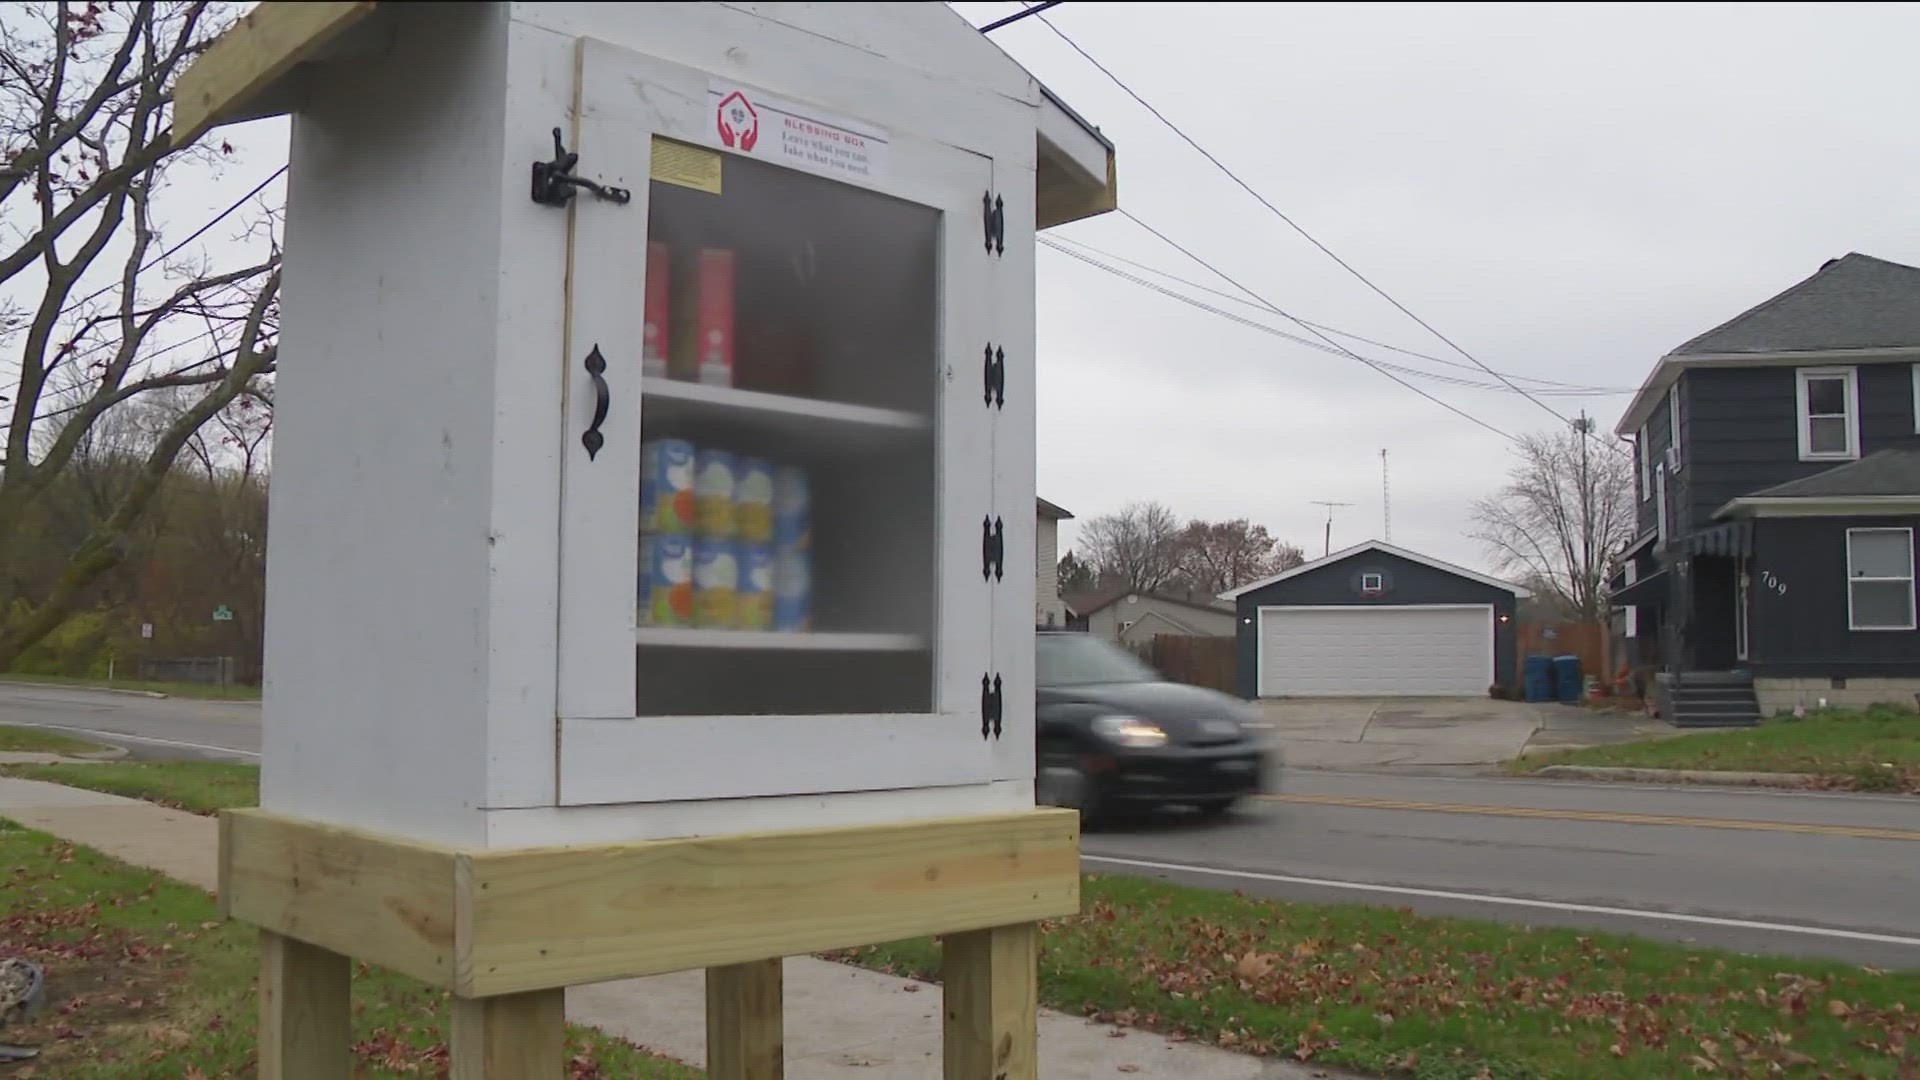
(1566, 509)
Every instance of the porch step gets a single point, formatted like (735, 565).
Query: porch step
(1708, 699)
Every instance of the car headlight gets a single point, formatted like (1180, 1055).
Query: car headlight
(1130, 731)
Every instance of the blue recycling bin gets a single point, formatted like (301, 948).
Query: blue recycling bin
(1537, 678)
(1568, 684)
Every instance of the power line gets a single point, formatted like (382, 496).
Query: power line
(1334, 345)
(1570, 389)
(1255, 324)
(1277, 212)
(1018, 15)
(197, 234)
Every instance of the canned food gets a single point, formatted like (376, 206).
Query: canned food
(792, 590)
(667, 505)
(792, 511)
(713, 488)
(753, 499)
(716, 582)
(753, 608)
(670, 594)
(643, 605)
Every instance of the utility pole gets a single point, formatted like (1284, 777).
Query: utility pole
(1328, 550)
(1386, 500)
(1595, 576)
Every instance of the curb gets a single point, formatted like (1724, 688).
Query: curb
(1715, 777)
(154, 694)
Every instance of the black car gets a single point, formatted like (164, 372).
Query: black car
(1113, 733)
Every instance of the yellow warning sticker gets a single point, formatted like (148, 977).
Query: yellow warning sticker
(688, 166)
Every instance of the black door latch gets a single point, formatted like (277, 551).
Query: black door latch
(554, 182)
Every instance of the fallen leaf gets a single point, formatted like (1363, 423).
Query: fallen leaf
(1836, 1007)
(1127, 1068)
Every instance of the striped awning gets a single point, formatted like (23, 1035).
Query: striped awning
(1733, 539)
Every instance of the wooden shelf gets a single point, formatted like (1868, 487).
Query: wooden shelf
(670, 399)
(682, 637)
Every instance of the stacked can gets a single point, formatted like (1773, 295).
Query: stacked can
(667, 515)
(792, 550)
(716, 568)
(753, 516)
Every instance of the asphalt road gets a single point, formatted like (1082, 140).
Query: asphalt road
(156, 729)
(1757, 871)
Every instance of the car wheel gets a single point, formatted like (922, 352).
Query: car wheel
(1061, 780)
(1213, 807)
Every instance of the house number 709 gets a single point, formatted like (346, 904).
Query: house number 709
(1768, 579)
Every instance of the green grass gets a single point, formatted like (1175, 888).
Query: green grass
(202, 787)
(1450, 999)
(39, 741)
(146, 982)
(207, 691)
(1875, 749)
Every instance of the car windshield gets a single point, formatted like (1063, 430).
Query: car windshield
(1082, 659)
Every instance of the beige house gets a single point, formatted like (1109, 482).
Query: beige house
(1133, 619)
(1048, 608)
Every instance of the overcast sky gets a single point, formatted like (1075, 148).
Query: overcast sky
(1567, 192)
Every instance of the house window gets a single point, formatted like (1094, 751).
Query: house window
(1371, 583)
(1660, 508)
(1880, 579)
(1829, 400)
(1646, 461)
(1673, 422)
(1632, 611)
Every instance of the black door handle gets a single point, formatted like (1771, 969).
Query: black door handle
(602, 401)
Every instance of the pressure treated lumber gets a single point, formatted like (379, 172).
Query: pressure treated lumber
(514, 1037)
(483, 923)
(991, 1016)
(266, 44)
(305, 1016)
(745, 1038)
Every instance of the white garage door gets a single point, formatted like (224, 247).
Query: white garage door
(1360, 651)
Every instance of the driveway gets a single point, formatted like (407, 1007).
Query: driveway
(1441, 734)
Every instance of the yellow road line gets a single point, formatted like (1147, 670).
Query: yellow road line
(1866, 832)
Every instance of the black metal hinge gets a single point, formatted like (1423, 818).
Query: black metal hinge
(996, 376)
(990, 702)
(554, 182)
(993, 214)
(993, 548)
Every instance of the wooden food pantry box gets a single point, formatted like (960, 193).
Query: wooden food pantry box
(649, 579)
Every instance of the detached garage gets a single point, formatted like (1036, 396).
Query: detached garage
(1374, 620)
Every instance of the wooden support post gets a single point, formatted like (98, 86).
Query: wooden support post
(992, 1003)
(305, 1018)
(510, 1037)
(745, 1040)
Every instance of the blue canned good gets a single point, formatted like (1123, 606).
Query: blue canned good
(670, 593)
(753, 606)
(753, 499)
(666, 487)
(643, 603)
(713, 493)
(792, 510)
(792, 590)
(716, 582)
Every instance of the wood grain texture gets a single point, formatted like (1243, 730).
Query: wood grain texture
(306, 1023)
(1061, 197)
(515, 1037)
(745, 1038)
(991, 1003)
(357, 893)
(564, 916)
(262, 47)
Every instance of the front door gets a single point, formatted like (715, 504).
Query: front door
(1742, 603)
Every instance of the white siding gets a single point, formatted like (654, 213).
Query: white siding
(1135, 621)
(1048, 609)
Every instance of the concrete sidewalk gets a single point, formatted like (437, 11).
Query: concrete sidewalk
(841, 1021)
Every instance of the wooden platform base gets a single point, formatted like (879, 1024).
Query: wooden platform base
(507, 931)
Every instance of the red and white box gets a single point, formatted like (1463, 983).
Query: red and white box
(653, 350)
(713, 278)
